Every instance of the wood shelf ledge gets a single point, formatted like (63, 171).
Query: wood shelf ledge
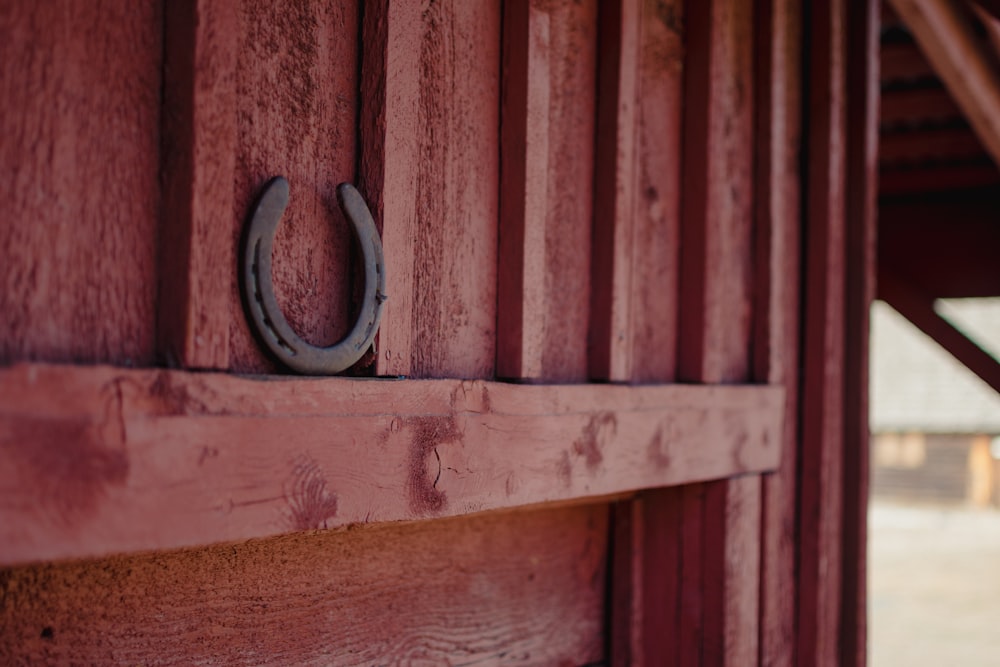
(101, 460)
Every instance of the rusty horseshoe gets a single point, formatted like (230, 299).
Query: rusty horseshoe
(258, 290)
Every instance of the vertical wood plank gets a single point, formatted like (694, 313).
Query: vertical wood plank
(197, 259)
(635, 294)
(79, 162)
(821, 463)
(435, 150)
(776, 307)
(389, 164)
(614, 201)
(721, 557)
(547, 162)
(296, 115)
(863, 78)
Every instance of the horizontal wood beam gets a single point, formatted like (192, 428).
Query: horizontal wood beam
(918, 308)
(102, 460)
(945, 33)
(916, 106)
(939, 144)
(937, 178)
(903, 62)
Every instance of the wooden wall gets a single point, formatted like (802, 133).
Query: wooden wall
(633, 192)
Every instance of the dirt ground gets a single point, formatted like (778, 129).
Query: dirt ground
(934, 586)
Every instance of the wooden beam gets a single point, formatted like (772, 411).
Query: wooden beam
(919, 179)
(197, 257)
(860, 257)
(918, 308)
(103, 460)
(634, 319)
(945, 34)
(547, 167)
(821, 482)
(777, 305)
(719, 587)
(915, 106)
(904, 62)
(928, 145)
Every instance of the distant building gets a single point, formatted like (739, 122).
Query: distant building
(935, 425)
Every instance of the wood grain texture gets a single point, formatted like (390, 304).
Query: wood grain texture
(634, 305)
(79, 157)
(547, 162)
(296, 82)
(433, 81)
(637, 193)
(776, 306)
(196, 254)
(861, 228)
(821, 481)
(720, 562)
(389, 163)
(461, 591)
(96, 453)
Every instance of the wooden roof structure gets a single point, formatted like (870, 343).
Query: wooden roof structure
(939, 147)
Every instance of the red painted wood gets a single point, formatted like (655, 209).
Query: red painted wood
(776, 306)
(921, 180)
(903, 62)
(390, 159)
(547, 165)
(503, 588)
(925, 145)
(254, 92)
(103, 460)
(197, 257)
(79, 160)
(634, 314)
(296, 115)
(862, 184)
(437, 158)
(720, 577)
(916, 106)
(821, 474)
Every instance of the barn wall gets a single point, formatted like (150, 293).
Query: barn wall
(634, 192)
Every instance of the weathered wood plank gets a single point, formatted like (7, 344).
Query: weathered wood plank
(79, 162)
(776, 306)
(821, 481)
(390, 159)
(634, 311)
(197, 257)
(461, 591)
(720, 579)
(547, 162)
(103, 460)
(434, 148)
(295, 115)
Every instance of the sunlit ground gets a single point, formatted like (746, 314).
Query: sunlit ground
(934, 585)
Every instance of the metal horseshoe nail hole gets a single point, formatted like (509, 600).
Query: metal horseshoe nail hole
(258, 291)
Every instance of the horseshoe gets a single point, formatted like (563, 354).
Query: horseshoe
(258, 291)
